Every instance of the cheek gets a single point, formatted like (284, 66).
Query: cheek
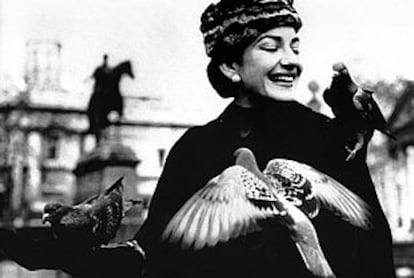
(256, 69)
(262, 61)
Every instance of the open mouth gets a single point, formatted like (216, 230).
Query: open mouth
(284, 79)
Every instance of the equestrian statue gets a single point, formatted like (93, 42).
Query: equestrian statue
(106, 96)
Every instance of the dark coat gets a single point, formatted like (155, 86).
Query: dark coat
(275, 130)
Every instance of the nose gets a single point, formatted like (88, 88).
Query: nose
(290, 60)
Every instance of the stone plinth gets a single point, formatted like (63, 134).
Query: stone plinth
(100, 168)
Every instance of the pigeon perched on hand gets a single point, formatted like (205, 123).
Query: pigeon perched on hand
(233, 203)
(354, 106)
(92, 222)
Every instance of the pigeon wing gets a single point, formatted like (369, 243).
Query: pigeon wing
(330, 193)
(76, 219)
(219, 211)
(116, 186)
(108, 212)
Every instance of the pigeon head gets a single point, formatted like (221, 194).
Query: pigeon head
(53, 212)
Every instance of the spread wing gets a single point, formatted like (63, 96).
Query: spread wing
(223, 209)
(330, 193)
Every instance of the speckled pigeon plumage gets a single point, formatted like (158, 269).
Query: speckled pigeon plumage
(354, 106)
(233, 203)
(92, 222)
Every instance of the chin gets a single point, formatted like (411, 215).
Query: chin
(282, 94)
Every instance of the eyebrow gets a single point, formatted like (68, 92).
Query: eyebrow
(276, 38)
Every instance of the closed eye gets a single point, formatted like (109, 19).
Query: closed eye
(269, 44)
(269, 48)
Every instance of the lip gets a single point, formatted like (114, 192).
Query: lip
(283, 79)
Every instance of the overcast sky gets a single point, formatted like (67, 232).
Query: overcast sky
(162, 39)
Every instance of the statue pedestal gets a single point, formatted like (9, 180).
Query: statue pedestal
(98, 169)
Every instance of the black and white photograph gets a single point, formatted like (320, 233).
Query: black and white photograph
(206, 139)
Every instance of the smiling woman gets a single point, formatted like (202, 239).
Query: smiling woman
(254, 51)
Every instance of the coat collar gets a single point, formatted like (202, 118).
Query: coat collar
(267, 110)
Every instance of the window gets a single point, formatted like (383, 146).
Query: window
(161, 157)
(51, 147)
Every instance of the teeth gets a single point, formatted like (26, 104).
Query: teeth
(283, 78)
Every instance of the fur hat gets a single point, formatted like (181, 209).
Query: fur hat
(231, 22)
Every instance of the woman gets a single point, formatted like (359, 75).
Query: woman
(254, 49)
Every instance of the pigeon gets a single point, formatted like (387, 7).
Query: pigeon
(355, 106)
(237, 201)
(93, 222)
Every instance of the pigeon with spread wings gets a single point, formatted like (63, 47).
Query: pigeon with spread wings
(233, 203)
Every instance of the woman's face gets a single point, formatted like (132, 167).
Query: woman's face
(269, 66)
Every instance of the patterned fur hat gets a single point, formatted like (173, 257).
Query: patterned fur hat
(231, 22)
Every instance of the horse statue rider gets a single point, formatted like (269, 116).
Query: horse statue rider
(106, 96)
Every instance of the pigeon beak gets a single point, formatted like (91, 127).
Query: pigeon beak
(45, 218)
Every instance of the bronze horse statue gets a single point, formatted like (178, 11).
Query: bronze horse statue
(106, 96)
